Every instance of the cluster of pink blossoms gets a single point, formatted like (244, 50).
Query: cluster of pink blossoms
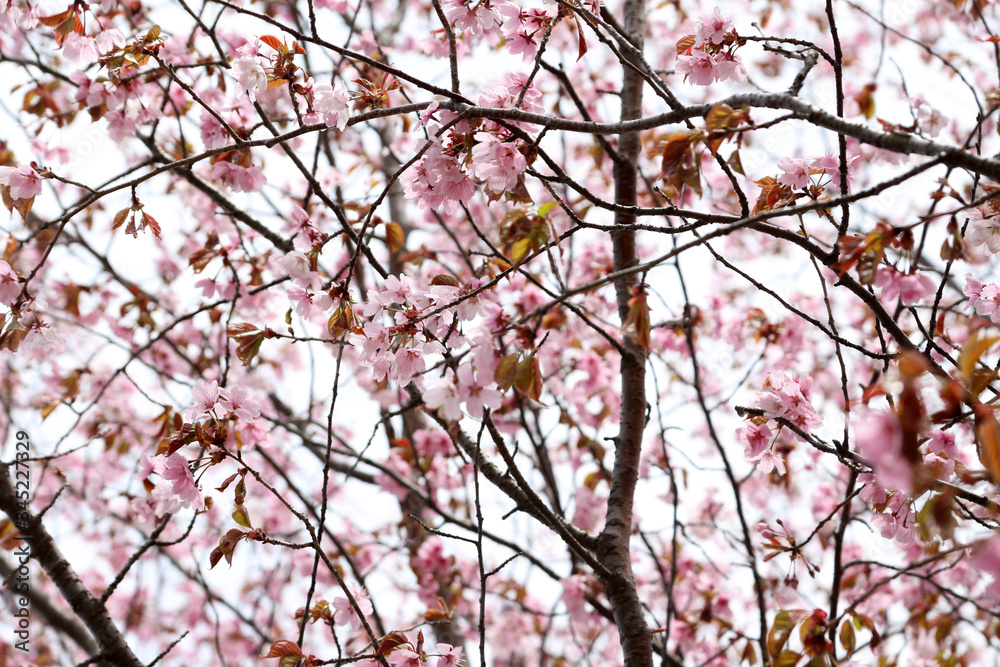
(711, 58)
(523, 28)
(797, 171)
(985, 299)
(785, 398)
(211, 400)
(909, 288)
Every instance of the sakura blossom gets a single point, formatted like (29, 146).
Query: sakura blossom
(369, 394)
(24, 181)
(496, 162)
(182, 484)
(237, 400)
(713, 28)
(879, 437)
(239, 178)
(10, 288)
(207, 401)
(250, 77)
(331, 102)
(910, 288)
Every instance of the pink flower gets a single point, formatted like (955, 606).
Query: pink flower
(237, 400)
(302, 300)
(183, 486)
(730, 68)
(757, 438)
(238, 177)
(973, 289)
(796, 174)
(250, 77)
(442, 394)
(788, 398)
(397, 290)
(713, 28)
(910, 289)
(986, 558)
(831, 165)
(213, 134)
(697, 67)
(879, 438)
(109, 39)
(451, 656)
(332, 103)
(9, 285)
(404, 657)
(24, 181)
(346, 613)
(477, 393)
(988, 303)
(985, 232)
(120, 126)
(206, 399)
(498, 163)
(298, 267)
(80, 47)
(769, 461)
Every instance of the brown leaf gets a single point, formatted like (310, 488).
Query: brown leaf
(394, 236)
(282, 648)
(390, 642)
(988, 441)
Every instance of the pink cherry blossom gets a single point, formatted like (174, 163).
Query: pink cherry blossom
(497, 162)
(442, 394)
(910, 288)
(830, 164)
(984, 232)
(332, 103)
(206, 401)
(972, 289)
(404, 657)
(250, 77)
(10, 288)
(758, 439)
(788, 398)
(477, 392)
(183, 486)
(796, 174)
(986, 558)
(238, 177)
(451, 656)
(878, 436)
(988, 302)
(698, 67)
(347, 614)
(24, 181)
(237, 401)
(713, 28)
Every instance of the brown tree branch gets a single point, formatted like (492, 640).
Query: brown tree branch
(45, 552)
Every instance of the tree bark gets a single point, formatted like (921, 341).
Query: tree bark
(45, 552)
(613, 545)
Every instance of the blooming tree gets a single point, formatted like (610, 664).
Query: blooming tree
(409, 332)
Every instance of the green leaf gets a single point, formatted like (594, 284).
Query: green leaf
(242, 516)
(547, 207)
(784, 622)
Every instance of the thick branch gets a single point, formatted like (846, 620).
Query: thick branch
(613, 543)
(45, 552)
